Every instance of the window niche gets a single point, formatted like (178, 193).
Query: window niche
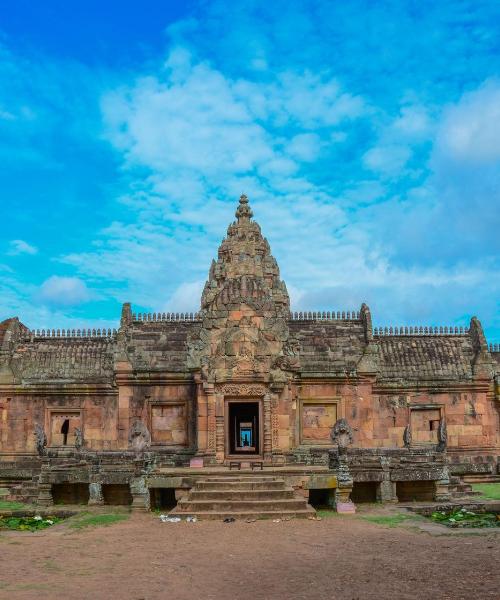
(424, 424)
(63, 425)
(169, 424)
(317, 418)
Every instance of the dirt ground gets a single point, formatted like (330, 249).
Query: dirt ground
(342, 557)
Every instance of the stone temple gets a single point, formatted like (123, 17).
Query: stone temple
(246, 407)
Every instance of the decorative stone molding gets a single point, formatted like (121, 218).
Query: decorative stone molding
(242, 389)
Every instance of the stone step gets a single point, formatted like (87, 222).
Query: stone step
(460, 487)
(187, 504)
(4, 492)
(465, 494)
(277, 484)
(243, 515)
(261, 494)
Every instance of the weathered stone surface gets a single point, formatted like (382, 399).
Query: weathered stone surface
(416, 399)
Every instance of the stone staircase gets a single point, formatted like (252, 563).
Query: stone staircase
(20, 491)
(242, 497)
(460, 489)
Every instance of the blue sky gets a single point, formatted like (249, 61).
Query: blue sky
(366, 134)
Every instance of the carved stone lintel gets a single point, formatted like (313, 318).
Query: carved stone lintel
(242, 389)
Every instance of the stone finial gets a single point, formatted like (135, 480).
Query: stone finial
(477, 335)
(366, 319)
(341, 434)
(40, 439)
(244, 211)
(481, 363)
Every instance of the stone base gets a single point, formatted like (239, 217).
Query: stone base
(346, 508)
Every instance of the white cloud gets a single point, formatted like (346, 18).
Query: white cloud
(305, 146)
(64, 291)
(470, 130)
(413, 122)
(186, 297)
(388, 160)
(21, 247)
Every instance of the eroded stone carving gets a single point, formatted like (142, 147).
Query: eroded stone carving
(242, 389)
(244, 311)
(139, 438)
(341, 435)
(442, 436)
(40, 439)
(78, 438)
(407, 436)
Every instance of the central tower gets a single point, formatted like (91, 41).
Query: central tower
(241, 354)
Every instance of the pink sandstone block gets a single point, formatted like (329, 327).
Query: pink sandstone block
(196, 463)
(346, 508)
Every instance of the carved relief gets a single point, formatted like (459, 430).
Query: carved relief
(40, 439)
(139, 438)
(242, 389)
(342, 434)
(245, 307)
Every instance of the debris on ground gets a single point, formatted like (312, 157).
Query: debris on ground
(169, 519)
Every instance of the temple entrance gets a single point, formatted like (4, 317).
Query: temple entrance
(243, 428)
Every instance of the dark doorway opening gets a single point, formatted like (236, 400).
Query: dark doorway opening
(64, 431)
(415, 491)
(162, 498)
(70, 493)
(364, 491)
(117, 494)
(244, 430)
(321, 498)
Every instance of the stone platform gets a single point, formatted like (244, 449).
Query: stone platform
(242, 497)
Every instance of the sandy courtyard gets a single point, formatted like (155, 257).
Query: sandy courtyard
(336, 558)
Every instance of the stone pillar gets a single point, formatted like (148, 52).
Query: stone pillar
(386, 490)
(338, 461)
(211, 422)
(202, 421)
(268, 432)
(124, 395)
(140, 493)
(44, 485)
(442, 491)
(95, 494)
(45, 494)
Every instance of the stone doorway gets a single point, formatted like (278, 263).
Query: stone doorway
(243, 428)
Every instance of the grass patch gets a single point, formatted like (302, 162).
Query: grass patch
(326, 513)
(28, 523)
(388, 520)
(88, 520)
(491, 491)
(461, 517)
(12, 505)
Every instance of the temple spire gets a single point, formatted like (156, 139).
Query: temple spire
(244, 211)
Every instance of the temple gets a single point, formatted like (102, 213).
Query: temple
(246, 406)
